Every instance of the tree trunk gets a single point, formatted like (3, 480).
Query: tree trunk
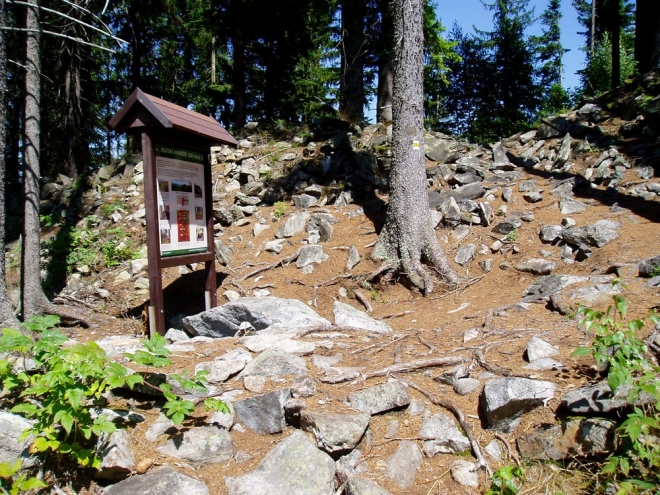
(34, 300)
(407, 238)
(74, 124)
(385, 67)
(647, 36)
(351, 83)
(238, 90)
(615, 19)
(7, 318)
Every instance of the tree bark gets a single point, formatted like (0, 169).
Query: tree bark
(7, 317)
(385, 67)
(647, 36)
(351, 84)
(615, 19)
(238, 90)
(407, 237)
(33, 299)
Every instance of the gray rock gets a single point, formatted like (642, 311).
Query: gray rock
(263, 413)
(163, 481)
(440, 150)
(364, 486)
(493, 448)
(222, 252)
(309, 255)
(174, 335)
(259, 343)
(465, 473)
(274, 247)
(160, 426)
(465, 254)
(380, 398)
(596, 399)
(451, 213)
(551, 233)
(335, 432)
(293, 225)
(527, 185)
(465, 386)
(351, 465)
(402, 466)
(304, 200)
(263, 313)
(504, 400)
(568, 206)
(281, 471)
(353, 257)
(302, 386)
(501, 160)
(339, 375)
(538, 348)
(11, 450)
(533, 197)
(271, 363)
(574, 438)
(507, 225)
(544, 364)
(564, 151)
(347, 316)
(545, 287)
(117, 461)
(507, 194)
(225, 366)
(537, 266)
(441, 435)
(528, 136)
(200, 446)
(650, 267)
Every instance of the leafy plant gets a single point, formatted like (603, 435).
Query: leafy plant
(176, 408)
(110, 208)
(512, 236)
(634, 466)
(655, 271)
(280, 209)
(12, 484)
(505, 480)
(61, 391)
(116, 251)
(50, 219)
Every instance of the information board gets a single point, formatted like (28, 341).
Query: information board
(181, 201)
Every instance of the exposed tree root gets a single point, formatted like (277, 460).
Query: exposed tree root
(496, 368)
(365, 302)
(416, 365)
(68, 316)
(281, 262)
(460, 416)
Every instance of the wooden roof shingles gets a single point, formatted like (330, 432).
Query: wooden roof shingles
(169, 116)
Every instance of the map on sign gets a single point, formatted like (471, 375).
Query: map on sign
(181, 201)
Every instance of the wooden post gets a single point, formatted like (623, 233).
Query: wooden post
(153, 239)
(211, 277)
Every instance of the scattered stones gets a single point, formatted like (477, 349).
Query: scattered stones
(163, 481)
(402, 466)
(335, 432)
(380, 398)
(346, 315)
(465, 473)
(200, 446)
(263, 414)
(443, 436)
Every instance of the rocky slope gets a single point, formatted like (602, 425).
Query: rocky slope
(339, 383)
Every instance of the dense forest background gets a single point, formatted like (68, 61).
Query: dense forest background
(290, 62)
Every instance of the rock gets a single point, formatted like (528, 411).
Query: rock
(225, 366)
(281, 472)
(200, 446)
(538, 349)
(311, 254)
(650, 267)
(271, 363)
(293, 225)
(504, 400)
(259, 228)
(364, 486)
(163, 481)
(551, 233)
(380, 398)
(335, 433)
(259, 343)
(11, 449)
(568, 206)
(544, 364)
(263, 413)
(564, 151)
(353, 257)
(597, 399)
(574, 438)
(533, 197)
(501, 160)
(302, 386)
(545, 287)
(444, 436)
(161, 425)
(465, 473)
(465, 386)
(117, 461)
(507, 225)
(536, 266)
(351, 465)
(465, 254)
(304, 201)
(222, 253)
(493, 448)
(347, 316)
(174, 335)
(263, 313)
(451, 213)
(402, 466)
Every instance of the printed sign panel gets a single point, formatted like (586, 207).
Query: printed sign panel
(181, 202)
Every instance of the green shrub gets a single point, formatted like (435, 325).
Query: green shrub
(634, 467)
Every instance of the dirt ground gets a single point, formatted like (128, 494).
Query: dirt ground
(424, 327)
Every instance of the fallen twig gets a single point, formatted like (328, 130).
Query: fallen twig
(512, 453)
(396, 315)
(460, 288)
(458, 413)
(431, 347)
(416, 365)
(496, 368)
(286, 259)
(365, 302)
(380, 345)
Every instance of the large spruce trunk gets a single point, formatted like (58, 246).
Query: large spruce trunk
(407, 237)
(351, 84)
(33, 299)
(647, 36)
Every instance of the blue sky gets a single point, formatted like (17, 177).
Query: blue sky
(469, 13)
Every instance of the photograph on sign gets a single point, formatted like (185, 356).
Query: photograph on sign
(181, 202)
